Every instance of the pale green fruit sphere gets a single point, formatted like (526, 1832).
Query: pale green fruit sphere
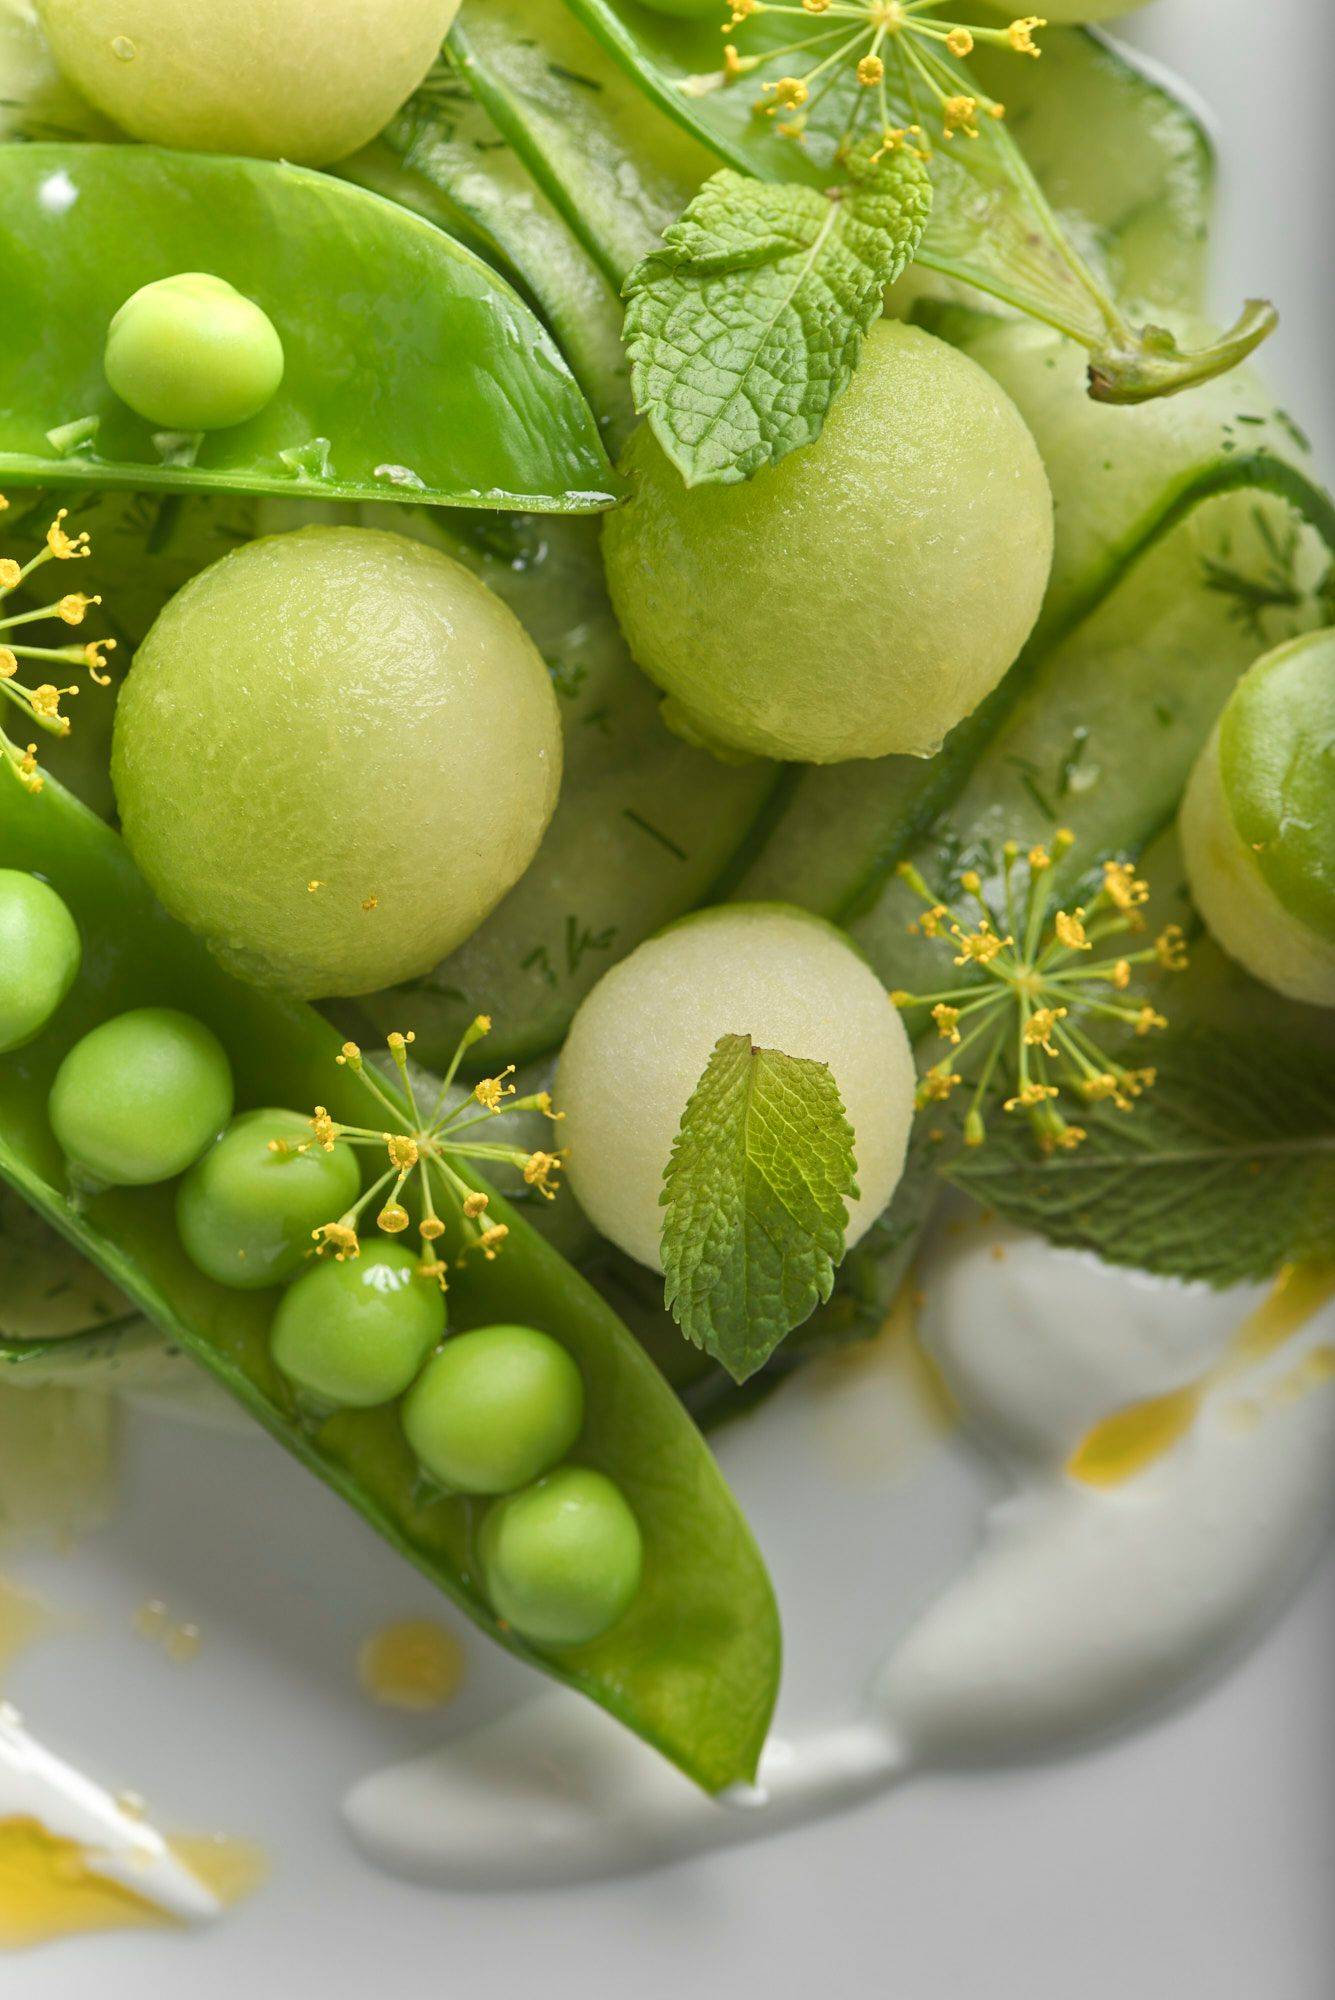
(864, 594)
(334, 753)
(640, 1041)
(1258, 821)
(310, 80)
(192, 353)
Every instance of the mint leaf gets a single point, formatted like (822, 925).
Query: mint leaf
(748, 322)
(1224, 1170)
(761, 1167)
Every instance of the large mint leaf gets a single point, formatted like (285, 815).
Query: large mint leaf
(1224, 1170)
(755, 1195)
(748, 322)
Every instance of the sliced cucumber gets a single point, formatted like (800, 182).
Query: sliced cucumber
(1121, 479)
(616, 168)
(442, 156)
(644, 826)
(1107, 728)
(1112, 145)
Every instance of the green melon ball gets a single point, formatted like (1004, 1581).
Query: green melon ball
(138, 1099)
(640, 1041)
(334, 753)
(1258, 821)
(40, 953)
(246, 1213)
(353, 1335)
(861, 596)
(193, 353)
(310, 80)
(562, 1560)
(494, 1409)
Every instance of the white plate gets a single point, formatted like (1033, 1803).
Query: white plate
(1194, 1860)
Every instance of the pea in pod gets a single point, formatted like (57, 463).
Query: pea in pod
(412, 371)
(693, 1666)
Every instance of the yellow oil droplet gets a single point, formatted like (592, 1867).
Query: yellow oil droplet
(1129, 1440)
(228, 1867)
(1299, 1291)
(179, 1639)
(48, 1890)
(413, 1664)
(50, 1887)
(123, 49)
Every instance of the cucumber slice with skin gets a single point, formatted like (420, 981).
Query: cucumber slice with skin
(442, 156)
(1114, 149)
(644, 826)
(1120, 480)
(617, 169)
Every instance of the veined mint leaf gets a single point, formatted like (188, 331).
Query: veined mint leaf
(755, 1197)
(1224, 1170)
(748, 322)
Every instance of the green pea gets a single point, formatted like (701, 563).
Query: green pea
(355, 1334)
(494, 1409)
(193, 353)
(246, 1214)
(562, 1560)
(40, 950)
(138, 1099)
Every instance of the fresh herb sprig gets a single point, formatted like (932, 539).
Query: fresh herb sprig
(748, 322)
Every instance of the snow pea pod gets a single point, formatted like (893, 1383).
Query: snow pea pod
(694, 1665)
(412, 370)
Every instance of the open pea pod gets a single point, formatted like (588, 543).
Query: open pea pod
(412, 371)
(992, 226)
(694, 1665)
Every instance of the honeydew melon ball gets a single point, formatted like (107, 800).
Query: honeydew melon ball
(310, 80)
(862, 595)
(334, 753)
(640, 1041)
(1258, 821)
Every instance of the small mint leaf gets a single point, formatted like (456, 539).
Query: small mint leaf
(755, 1194)
(748, 322)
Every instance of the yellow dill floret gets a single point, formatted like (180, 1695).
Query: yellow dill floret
(1020, 1027)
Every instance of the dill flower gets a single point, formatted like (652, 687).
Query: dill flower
(421, 1148)
(1037, 986)
(907, 61)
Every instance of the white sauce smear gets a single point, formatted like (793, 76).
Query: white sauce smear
(1092, 1603)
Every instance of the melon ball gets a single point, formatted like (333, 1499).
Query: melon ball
(639, 1043)
(862, 595)
(334, 753)
(1258, 821)
(310, 80)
